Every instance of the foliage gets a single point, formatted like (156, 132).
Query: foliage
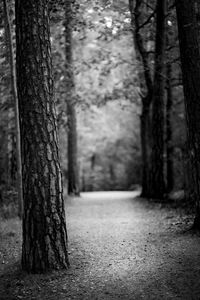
(108, 88)
(105, 71)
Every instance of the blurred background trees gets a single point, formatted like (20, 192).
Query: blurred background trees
(113, 47)
(8, 157)
(73, 169)
(106, 95)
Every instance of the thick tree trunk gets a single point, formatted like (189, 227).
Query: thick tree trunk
(169, 142)
(44, 225)
(15, 97)
(142, 57)
(73, 170)
(157, 158)
(190, 59)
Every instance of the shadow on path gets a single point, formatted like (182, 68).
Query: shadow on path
(120, 247)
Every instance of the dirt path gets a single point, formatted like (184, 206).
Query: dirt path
(121, 247)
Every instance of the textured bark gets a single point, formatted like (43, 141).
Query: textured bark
(73, 172)
(189, 37)
(169, 142)
(142, 57)
(157, 158)
(44, 225)
(16, 105)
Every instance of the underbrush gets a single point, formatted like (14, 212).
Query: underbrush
(8, 204)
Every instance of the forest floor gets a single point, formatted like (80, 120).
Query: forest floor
(120, 247)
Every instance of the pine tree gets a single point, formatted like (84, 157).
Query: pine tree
(44, 225)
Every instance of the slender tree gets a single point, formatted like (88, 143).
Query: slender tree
(44, 225)
(189, 38)
(157, 157)
(15, 98)
(73, 172)
(172, 56)
(169, 142)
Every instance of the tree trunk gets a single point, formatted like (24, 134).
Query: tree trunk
(190, 59)
(188, 178)
(142, 57)
(44, 225)
(15, 97)
(145, 146)
(73, 172)
(169, 142)
(157, 157)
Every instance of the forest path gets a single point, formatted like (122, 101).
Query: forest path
(120, 247)
(126, 248)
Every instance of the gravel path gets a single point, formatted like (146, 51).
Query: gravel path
(121, 247)
(132, 250)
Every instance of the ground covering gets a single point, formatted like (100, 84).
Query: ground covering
(120, 247)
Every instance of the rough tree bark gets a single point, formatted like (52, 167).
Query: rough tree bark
(73, 170)
(16, 105)
(44, 225)
(189, 37)
(142, 57)
(157, 157)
